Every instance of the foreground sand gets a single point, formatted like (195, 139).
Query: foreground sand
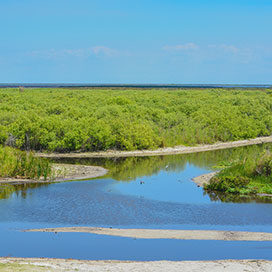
(31, 265)
(64, 172)
(168, 234)
(161, 151)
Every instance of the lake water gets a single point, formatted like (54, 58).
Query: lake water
(151, 192)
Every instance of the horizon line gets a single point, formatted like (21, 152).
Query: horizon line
(132, 85)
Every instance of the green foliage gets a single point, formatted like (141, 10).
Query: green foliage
(250, 175)
(264, 165)
(64, 120)
(20, 164)
(228, 184)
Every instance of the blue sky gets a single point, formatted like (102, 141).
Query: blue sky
(123, 41)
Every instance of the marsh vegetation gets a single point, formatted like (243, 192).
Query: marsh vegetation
(64, 120)
(23, 165)
(250, 175)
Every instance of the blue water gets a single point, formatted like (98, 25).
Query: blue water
(93, 203)
(165, 198)
(167, 186)
(100, 247)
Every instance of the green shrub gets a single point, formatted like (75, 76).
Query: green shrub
(264, 165)
(250, 175)
(228, 184)
(64, 120)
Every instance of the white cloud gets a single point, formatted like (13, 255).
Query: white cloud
(225, 47)
(215, 52)
(78, 53)
(180, 47)
(74, 52)
(230, 48)
(103, 50)
(238, 54)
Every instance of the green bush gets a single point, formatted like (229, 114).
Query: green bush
(264, 165)
(64, 120)
(250, 175)
(228, 184)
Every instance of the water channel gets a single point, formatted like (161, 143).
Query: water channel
(138, 192)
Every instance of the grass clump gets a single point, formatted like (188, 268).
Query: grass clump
(20, 164)
(252, 175)
(18, 267)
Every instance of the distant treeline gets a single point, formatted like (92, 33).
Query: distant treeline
(64, 120)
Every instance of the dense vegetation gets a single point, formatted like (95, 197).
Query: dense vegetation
(64, 120)
(21, 164)
(251, 175)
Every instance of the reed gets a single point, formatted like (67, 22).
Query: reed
(15, 163)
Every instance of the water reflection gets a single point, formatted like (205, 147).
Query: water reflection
(131, 168)
(134, 168)
(233, 198)
(20, 191)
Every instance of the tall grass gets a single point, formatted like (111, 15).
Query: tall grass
(20, 164)
(251, 175)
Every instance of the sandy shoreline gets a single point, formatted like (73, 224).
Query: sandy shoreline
(203, 179)
(167, 234)
(64, 172)
(46, 264)
(161, 151)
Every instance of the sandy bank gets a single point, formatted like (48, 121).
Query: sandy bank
(64, 172)
(204, 179)
(169, 234)
(161, 151)
(44, 264)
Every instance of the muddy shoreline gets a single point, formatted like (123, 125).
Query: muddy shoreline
(167, 234)
(158, 152)
(64, 172)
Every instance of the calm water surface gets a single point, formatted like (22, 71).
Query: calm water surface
(152, 192)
